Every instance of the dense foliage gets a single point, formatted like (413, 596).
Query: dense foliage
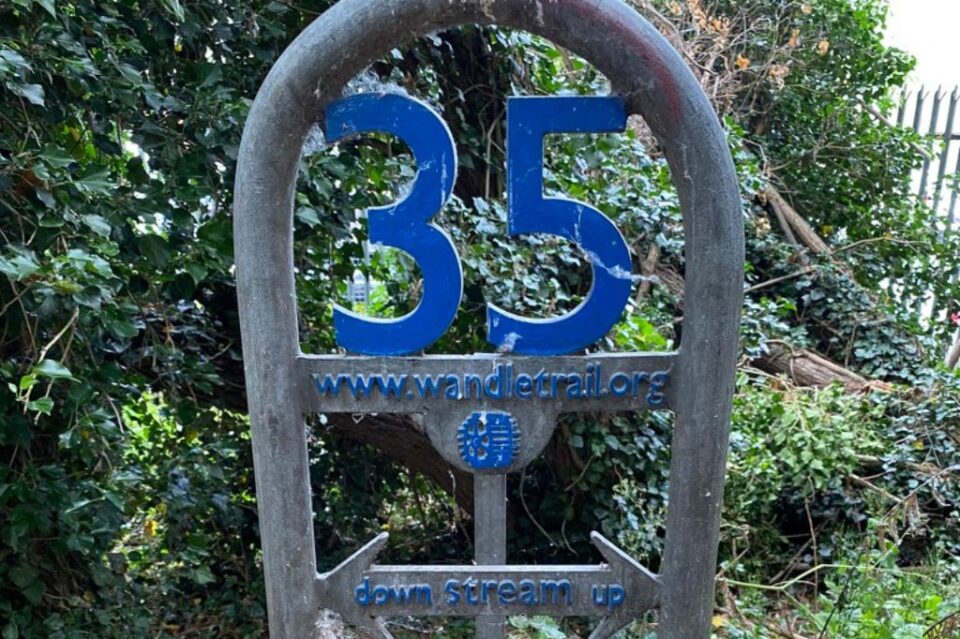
(127, 503)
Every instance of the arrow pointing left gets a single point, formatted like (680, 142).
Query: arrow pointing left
(333, 589)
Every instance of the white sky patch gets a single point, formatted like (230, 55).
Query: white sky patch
(930, 30)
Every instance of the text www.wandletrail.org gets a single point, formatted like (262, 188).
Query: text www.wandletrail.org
(499, 385)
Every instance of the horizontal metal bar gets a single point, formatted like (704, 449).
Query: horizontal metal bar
(943, 136)
(617, 588)
(570, 384)
(403, 573)
(468, 591)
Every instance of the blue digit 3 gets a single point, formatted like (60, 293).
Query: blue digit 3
(405, 225)
(529, 119)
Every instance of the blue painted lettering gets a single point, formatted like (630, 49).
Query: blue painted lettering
(507, 592)
(620, 384)
(528, 592)
(553, 591)
(362, 593)
(452, 390)
(470, 588)
(524, 386)
(501, 385)
(655, 396)
(639, 377)
(495, 384)
(405, 225)
(555, 381)
(588, 381)
(408, 226)
(573, 389)
(612, 596)
(599, 595)
(541, 379)
(327, 385)
(617, 596)
(428, 386)
(363, 385)
(488, 590)
(381, 595)
(529, 120)
(452, 588)
(392, 386)
(469, 383)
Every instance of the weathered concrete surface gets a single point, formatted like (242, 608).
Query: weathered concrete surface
(658, 86)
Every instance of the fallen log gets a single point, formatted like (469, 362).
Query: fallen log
(794, 226)
(806, 368)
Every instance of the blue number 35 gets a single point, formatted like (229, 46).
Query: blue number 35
(406, 225)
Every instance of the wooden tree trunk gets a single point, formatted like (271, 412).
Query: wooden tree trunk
(793, 224)
(953, 355)
(806, 368)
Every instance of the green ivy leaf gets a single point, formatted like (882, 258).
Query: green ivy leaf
(197, 271)
(43, 405)
(20, 267)
(155, 249)
(34, 592)
(308, 216)
(97, 224)
(121, 328)
(203, 575)
(27, 382)
(33, 93)
(80, 504)
(99, 181)
(23, 575)
(53, 369)
(175, 8)
(90, 296)
(55, 156)
(12, 62)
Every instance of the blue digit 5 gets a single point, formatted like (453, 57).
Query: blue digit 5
(529, 119)
(405, 225)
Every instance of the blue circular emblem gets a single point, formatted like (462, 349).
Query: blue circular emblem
(488, 440)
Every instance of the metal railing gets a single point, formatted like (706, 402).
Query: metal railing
(934, 114)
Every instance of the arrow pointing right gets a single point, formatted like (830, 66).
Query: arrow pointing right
(619, 591)
(627, 571)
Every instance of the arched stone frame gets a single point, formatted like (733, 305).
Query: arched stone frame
(658, 86)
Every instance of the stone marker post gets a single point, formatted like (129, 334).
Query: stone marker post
(487, 414)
